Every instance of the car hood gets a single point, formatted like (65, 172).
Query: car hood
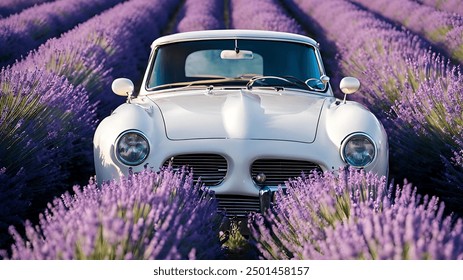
(241, 114)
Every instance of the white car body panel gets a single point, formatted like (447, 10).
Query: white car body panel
(241, 114)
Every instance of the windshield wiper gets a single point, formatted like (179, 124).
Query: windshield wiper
(200, 82)
(263, 80)
(312, 84)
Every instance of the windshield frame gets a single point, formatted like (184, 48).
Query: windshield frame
(154, 53)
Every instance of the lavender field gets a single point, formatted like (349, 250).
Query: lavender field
(59, 58)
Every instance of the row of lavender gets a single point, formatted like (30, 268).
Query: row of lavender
(443, 29)
(9, 7)
(261, 14)
(27, 30)
(354, 216)
(451, 6)
(49, 101)
(201, 15)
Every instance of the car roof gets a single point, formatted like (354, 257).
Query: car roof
(233, 34)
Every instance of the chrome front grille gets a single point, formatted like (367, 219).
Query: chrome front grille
(210, 168)
(238, 205)
(277, 171)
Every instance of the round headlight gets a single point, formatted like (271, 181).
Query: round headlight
(132, 148)
(358, 150)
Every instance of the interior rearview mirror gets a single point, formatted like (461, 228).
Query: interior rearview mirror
(236, 54)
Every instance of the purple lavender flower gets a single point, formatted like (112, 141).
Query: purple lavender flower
(355, 216)
(144, 216)
(8, 7)
(23, 32)
(201, 15)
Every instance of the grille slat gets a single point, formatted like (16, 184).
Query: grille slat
(235, 205)
(211, 168)
(278, 171)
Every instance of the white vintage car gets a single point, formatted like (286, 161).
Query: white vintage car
(245, 109)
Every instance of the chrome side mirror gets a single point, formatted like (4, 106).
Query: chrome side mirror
(123, 87)
(349, 85)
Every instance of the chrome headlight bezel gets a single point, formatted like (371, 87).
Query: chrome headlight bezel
(143, 155)
(347, 159)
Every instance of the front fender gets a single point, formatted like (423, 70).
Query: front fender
(344, 119)
(146, 119)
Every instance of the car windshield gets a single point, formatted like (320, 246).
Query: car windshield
(232, 61)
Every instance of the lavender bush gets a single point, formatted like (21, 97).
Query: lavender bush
(46, 130)
(201, 15)
(451, 6)
(411, 89)
(45, 121)
(355, 216)
(443, 29)
(23, 32)
(261, 14)
(144, 216)
(8, 7)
